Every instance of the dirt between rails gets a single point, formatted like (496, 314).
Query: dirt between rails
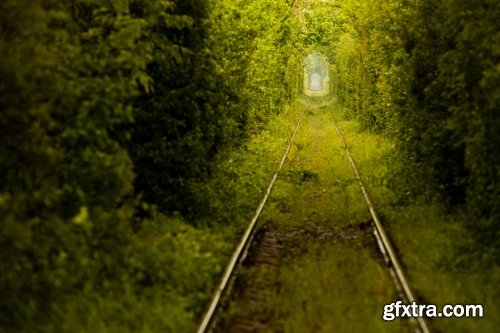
(271, 250)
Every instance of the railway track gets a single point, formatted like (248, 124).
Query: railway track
(271, 247)
(242, 249)
(385, 247)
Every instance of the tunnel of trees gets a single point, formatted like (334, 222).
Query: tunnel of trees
(115, 116)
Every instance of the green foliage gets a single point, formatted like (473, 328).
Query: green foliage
(170, 137)
(240, 177)
(427, 74)
(433, 243)
(115, 114)
(109, 109)
(225, 83)
(470, 73)
(65, 180)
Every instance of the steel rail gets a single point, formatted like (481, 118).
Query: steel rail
(382, 239)
(242, 248)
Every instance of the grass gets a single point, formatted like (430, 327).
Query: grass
(335, 287)
(433, 243)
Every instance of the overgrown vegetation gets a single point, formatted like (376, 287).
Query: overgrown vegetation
(115, 116)
(432, 242)
(137, 135)
(426, 73)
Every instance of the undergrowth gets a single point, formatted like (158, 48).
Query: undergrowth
(434, 243)
(173, 264)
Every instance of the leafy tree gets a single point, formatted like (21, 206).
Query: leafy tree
(109, 109)
(426, 73)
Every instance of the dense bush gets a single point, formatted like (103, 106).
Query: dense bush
(64, 179)
(109, 109)
(427, 74)
(226, 80)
